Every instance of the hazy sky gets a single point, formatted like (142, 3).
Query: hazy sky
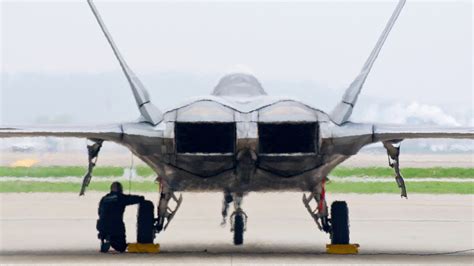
(427, 57)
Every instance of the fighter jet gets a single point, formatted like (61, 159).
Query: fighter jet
(239, 139)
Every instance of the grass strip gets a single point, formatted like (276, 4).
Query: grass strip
(59, 171)
(415, 187)
(27, 186)
(407, 172)
(145, 171)
(349, 187)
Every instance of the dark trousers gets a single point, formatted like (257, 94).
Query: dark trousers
(118, 242)
(114, 232)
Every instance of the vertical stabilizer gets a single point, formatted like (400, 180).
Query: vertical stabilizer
(150, 112)
(343, 110)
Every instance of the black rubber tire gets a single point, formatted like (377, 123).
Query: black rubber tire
(145, 222)
(239, 225)
(339, 223)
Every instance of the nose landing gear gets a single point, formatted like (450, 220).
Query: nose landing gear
(238, 226)
(238, 219)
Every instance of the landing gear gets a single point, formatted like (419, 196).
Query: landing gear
(225, 206)
(165, 213)
(238, 219)
(145, 223)
(93, 154)
(238, 227)
(338, 225)
(393, 152)
(320, 213)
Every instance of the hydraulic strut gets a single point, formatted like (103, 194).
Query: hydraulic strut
(93, 154)
(393, 152)
(165, 212)
(320, 213)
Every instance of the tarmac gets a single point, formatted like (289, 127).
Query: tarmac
(423, 229)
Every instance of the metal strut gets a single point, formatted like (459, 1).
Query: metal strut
(320, 212)
(165, 213)
(225, 206)
(93, 154)
(393, 152)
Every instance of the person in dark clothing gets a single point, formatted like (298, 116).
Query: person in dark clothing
(110, 224)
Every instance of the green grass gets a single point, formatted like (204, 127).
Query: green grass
(343, 187)
(32, 186)
(149, 186)
(58, 171)
(145, 171)
(63, 171)
(407, 172)
(414, 187)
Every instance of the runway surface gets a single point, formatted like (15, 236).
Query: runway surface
(425, 229)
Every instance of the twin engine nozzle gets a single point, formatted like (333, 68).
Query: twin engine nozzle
(221, 138)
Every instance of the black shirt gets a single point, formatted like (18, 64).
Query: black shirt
(111, 209)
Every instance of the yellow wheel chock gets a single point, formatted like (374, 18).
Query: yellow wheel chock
(342, 249)
(143, 248)
(330, 248)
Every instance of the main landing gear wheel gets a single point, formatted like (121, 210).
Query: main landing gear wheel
(339, 223)
(239, 228)
(145, 222)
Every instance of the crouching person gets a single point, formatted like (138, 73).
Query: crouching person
(110, 224)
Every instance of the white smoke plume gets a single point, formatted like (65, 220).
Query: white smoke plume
(416, 113)
(408, 113)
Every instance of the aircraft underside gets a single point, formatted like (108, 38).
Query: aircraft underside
(243, 169)
(234, 175)
(242, 178)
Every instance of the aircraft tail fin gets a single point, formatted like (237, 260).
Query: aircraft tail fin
(343, 110)
(150, 112)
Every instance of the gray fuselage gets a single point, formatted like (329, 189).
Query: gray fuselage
(240, 139)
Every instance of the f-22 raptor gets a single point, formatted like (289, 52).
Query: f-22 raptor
(239, 139)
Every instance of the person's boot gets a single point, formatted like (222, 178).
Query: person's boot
(104, 245)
